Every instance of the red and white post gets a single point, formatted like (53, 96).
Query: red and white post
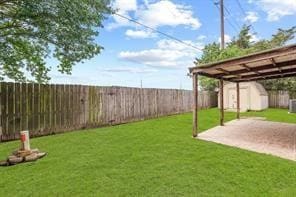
(25, 140)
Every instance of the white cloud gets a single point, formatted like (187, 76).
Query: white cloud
(254, 38)
(119, 22)
(139, 34)
(227, 38)
(152, 55)
(201, 37)
(168, 54)
(125, 5)
(175, 45)
(164, 13)
(251, 17)
(133, 70)
(154, 14)
(78, 79)
(276, 9)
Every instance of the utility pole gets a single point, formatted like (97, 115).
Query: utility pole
(222, 23)
(221, 80)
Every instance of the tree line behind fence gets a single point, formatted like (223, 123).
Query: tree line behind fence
(48, 109)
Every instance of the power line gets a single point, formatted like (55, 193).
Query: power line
(244, 13)
(240, 6)
(159, 32)
(229, 22)
(228, 13)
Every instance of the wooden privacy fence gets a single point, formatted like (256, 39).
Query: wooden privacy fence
(280, 99)
(48, 109)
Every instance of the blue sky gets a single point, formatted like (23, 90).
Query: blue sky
(132, 53)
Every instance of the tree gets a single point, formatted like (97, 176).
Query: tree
(33, 30)
(242, 45)
(244, 37)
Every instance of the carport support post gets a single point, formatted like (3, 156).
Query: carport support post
(237, 101)
(195, 105)
(221, 102)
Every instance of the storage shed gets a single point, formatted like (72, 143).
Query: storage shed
(253, 96)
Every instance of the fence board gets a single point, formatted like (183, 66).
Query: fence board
(280, 99)
(46, 109)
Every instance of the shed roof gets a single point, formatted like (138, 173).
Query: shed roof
(269, 64)
(261, 89)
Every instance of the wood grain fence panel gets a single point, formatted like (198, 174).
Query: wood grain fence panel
(103, 106)
(279, 99)
(46, 109)
(66, 107)
(23, 106)
(89, 104)
(4, 103)
(96, 106)
(127, 103)
(29, 107)
(74, 106)
(79, 112)
(2, 110)
(59, 92)
(46, 119)
(10, 112)
(60, 106)
(103, 101)
(17, 110)
(52, 108)
(80, 107)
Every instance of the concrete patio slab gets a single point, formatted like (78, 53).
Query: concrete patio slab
(255, 134)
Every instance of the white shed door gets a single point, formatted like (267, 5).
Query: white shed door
(244, 99)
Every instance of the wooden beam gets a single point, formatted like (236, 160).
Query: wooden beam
(255, 57)
(266, 74)
(223, 70)
(227, 73)
(195, 105)
(272, 75)
(237, 101)
(250, 69)
(273, 62)
(268, 77)
(211, 76)
(247, 69)
(221, 102)
(275, 65)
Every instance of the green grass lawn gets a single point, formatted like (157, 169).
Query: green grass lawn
(150, 158)
(277, 115)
